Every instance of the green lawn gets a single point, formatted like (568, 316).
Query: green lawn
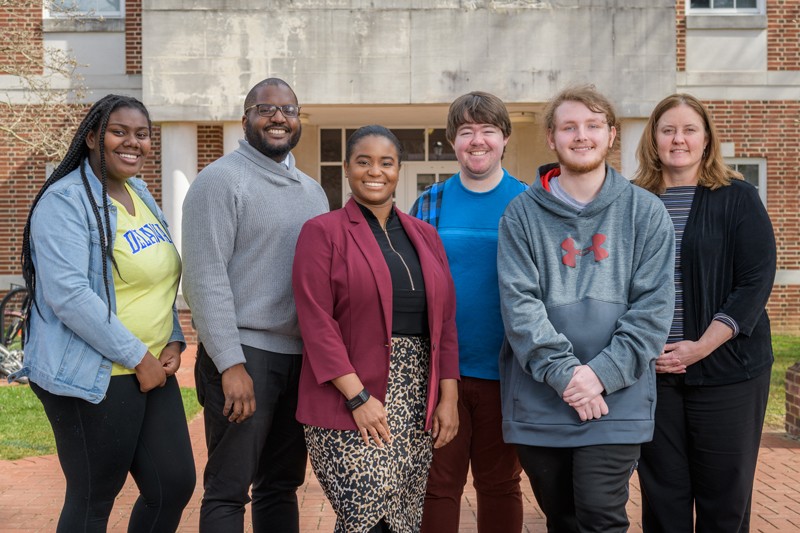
(787, 353)
(25, 431)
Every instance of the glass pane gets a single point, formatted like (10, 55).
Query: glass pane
(413, 143)
(444, 177)
(87, 6)
(723, 4)
(750, 173)
(746, 4)
(331, 179)
(702, 4)
(438, 147)
(330, 146)
(424, 181)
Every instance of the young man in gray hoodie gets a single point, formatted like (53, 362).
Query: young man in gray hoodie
(585, 266)
(241, 219)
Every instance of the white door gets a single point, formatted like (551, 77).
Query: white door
(415, 176)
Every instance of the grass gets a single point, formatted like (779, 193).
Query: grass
(25, 431)
(787, 352)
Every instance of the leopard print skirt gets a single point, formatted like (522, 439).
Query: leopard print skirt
(365, 483)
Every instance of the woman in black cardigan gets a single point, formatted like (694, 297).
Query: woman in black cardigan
(713, 375)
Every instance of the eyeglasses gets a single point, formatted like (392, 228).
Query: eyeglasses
(268, 110)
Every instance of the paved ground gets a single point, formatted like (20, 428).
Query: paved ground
(31, 491)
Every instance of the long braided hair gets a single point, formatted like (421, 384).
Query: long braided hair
(96, 120)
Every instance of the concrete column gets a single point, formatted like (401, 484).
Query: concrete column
(632, 129)
(231, 133)
(178, 170)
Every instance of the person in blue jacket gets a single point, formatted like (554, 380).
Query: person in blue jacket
(104, 339)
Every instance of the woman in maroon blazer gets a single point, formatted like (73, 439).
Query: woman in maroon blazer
(376, 306)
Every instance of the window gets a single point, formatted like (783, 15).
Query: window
(85, 8)
(418, 144)
(754, 172)
(722, 7)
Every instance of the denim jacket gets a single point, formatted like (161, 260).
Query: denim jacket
(72, 342)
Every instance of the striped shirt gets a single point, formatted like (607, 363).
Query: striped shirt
(678, 201)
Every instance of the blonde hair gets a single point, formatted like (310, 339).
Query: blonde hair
(714, 173)
(587, 95)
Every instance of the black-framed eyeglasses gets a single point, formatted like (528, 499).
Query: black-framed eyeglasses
(268, 110)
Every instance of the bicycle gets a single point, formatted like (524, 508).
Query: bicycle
(12, 330)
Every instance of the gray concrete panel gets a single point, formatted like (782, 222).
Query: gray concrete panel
(200, 58)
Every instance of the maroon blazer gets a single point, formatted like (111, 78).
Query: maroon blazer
(343, 291)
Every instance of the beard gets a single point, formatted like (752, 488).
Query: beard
(256, 137)
(582, 167)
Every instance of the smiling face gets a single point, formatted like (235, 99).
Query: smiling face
(580, 137)
(273, 136)
(126, 144)
(681, 139)
(479, 149)
(373, 171)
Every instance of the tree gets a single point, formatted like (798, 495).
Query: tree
(41, 108)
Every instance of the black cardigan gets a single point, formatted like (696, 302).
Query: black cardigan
(728, 264)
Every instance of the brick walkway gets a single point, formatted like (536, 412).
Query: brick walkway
(31, 491)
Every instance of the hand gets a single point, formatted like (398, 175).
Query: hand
(171, 358)
(240, 400)
(669, 363)
(682, 353)
(372, 423)
(445, 423)
(150, 373)
(593, 410)
(583, 387)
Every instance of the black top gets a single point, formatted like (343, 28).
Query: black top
(409, 304)
(728, 262)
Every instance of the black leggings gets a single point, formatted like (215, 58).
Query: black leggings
(129, 431)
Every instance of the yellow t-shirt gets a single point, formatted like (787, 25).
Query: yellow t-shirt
(147, 280)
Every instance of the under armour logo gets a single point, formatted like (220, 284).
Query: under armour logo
(596, 248)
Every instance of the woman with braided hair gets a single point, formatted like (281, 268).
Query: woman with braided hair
(104, 338)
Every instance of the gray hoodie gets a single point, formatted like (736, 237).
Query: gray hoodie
(592, 286)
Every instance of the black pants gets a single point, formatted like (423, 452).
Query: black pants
(581, 489)
(129, 431)
(703, 455)
(267, 450)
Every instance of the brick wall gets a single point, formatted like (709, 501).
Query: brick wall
(783, 35)
(185, 317)
(133, 36)
(23, 21)
(768, 129)
(22, 173)
(209, 144)
(793, 400)
(680, 35)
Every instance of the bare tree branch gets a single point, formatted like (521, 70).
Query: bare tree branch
(44, 111)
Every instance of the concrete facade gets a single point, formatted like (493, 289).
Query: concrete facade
(401, 62)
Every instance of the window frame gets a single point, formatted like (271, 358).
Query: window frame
(77, 13)
(762, 172)
(760, 9)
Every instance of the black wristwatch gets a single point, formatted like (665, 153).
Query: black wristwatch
(358, 400)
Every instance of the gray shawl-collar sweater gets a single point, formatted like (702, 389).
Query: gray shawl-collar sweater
(241, 219)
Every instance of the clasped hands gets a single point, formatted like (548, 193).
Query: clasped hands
(152, 372)
(583, 393)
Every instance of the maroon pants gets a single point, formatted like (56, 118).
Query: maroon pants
(495, 467)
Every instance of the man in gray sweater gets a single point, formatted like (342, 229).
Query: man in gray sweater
(241, 219)
(585, 264)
